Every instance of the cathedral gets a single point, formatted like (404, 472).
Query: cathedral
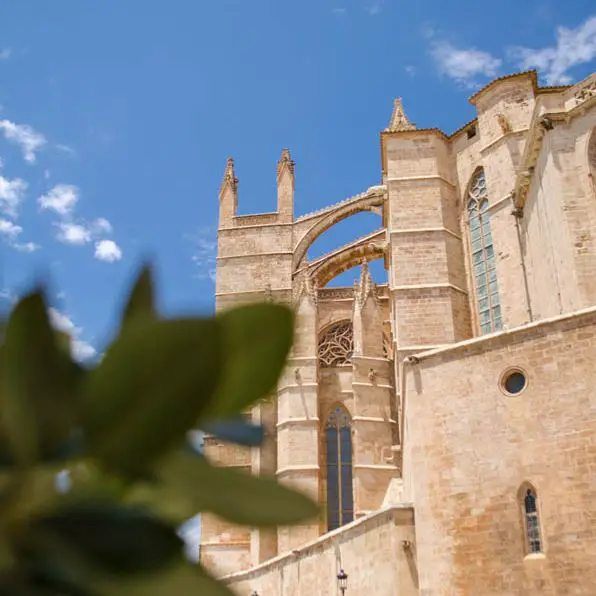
(445, 420)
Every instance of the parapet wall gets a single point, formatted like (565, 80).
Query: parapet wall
(371, 551)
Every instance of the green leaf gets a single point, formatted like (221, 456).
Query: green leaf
(141, 302)
(234, 495)
(256, 341)
(114, 539)
(39, 399)
(183, 580)
(149, 390)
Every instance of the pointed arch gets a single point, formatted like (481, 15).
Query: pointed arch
(338, 464)
(482, 255)
(527, 497)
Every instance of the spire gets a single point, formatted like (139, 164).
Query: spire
(365, 286)
(399, 121)
(285, 161)
(229, 180)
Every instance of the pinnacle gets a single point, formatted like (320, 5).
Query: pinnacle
(399, 121)
(285, 161)
(229, 177)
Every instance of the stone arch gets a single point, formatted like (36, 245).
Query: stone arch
(369, 202)
(336, 264)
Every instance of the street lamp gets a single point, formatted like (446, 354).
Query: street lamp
(342, 581)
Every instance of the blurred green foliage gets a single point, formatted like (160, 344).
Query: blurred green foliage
(121, 428)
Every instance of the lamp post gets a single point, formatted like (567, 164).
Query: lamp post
(342, 581)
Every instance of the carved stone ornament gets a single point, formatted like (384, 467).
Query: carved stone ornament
(336, 345)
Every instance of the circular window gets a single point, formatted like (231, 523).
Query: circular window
(514, 382)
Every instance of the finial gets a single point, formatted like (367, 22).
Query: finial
(399, 121)
(229, 178)
(365, 286)
(285, 161)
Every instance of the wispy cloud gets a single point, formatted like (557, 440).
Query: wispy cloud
(5, 54)
(101, 226)
(375, 7)
(205, 251)
(8, 295)
(29, 140)
(12, 192)
(80, 349)
(339, 10)
(61, 199)
(464, 65)
(26, 246)
(9, 229)
(572, 48)
(108, 251)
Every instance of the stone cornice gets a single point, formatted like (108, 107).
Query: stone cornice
(540, 125)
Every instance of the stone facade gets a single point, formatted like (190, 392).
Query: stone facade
(459, 393)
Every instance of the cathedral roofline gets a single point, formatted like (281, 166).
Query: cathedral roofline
(530, 74)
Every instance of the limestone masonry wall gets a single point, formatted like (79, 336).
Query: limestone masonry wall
(371, 550)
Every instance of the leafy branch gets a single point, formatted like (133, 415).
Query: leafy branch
(121, 428)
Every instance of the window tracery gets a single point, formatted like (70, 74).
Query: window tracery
(337, 345)
(483, 257)
(340, 498)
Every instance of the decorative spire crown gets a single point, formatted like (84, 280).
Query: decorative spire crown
(399, 121)
(285, 161)
(365, 286)
(229, 178)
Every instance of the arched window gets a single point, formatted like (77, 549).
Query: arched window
(532, 521)
(483, 257)
(336, 345)
(340, 499)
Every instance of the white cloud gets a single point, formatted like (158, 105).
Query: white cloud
(339, 11)
(9, 229)
(464, 65)
(411, 70)
(11, 194)
(573, 47)
(25, 136)
(62, 199)
(25, 246)
(81, 350)
(205, 242)
(72, 233)
(5, 54)
(101, 226)
(107, 250)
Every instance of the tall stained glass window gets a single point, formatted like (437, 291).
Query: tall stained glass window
(340, 499)
(483, 257)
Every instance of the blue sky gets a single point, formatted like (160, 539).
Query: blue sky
(117, 118)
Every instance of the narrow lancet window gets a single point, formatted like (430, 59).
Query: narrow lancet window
(534, 541)
(340, 499)
(483, 257)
